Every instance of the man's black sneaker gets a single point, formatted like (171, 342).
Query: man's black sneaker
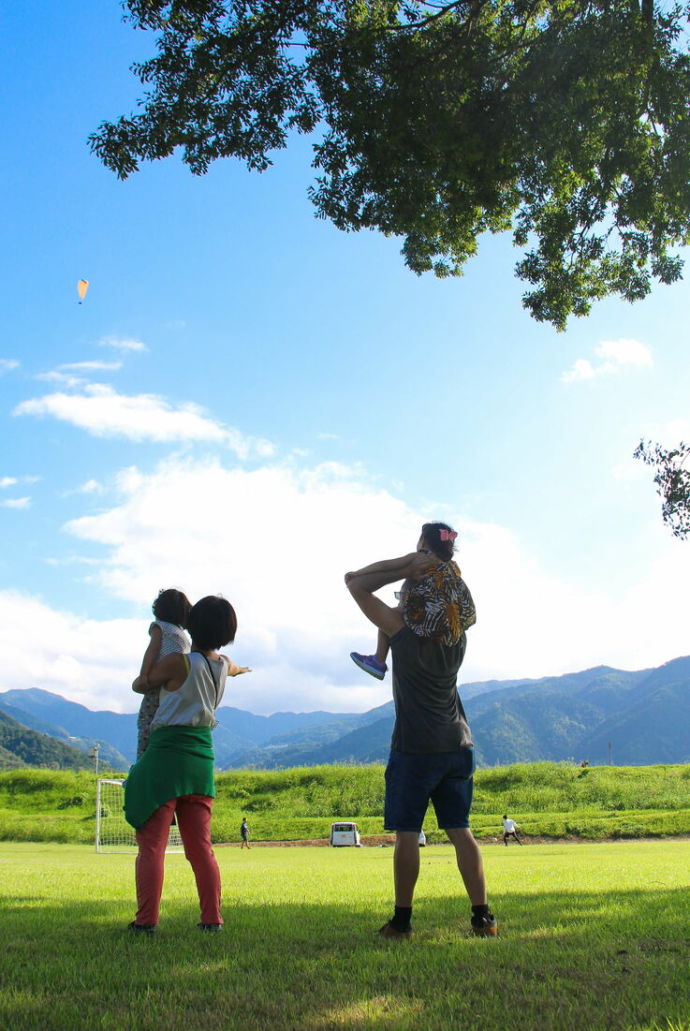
(484, 926)
(210, 928)
(136, 928)
(388, 931)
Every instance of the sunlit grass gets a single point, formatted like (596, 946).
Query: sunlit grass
(592, 936)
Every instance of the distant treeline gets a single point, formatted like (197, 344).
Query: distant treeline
(551, 800)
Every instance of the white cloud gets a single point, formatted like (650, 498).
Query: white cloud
(65, 375)
(582, 369)
(91, 366)
(532, 623)
(68, 654)
(625, 352)
(122, 344)
(63, 379)
(7, 364)
(16, 503)
(99, 410)
(276, 541)
(89, 487)
(12, 481)
(613, 355)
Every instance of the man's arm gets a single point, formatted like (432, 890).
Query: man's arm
(415, 565)
(362, 587)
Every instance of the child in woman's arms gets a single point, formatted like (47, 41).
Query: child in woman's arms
(167, 632)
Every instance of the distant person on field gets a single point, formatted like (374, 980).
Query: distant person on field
(434, 601)
(510, 830)
(175, 775)
(167, 633)
(432, 756)
(244, 834)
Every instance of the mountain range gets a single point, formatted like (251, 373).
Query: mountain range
(600, 714)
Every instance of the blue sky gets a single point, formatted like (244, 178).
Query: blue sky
(251, 402)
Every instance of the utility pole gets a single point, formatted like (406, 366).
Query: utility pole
(609, 753)
(93, 754)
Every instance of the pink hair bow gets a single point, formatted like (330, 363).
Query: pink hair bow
(447, 535)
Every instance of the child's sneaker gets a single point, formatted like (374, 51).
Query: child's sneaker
(370, 664)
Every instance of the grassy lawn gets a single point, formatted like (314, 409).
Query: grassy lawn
(593, 936)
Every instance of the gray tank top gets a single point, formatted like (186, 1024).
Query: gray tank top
(194, 704)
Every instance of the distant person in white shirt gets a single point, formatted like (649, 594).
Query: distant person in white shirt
(509, 831)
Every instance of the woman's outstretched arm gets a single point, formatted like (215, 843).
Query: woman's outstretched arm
(233, 669)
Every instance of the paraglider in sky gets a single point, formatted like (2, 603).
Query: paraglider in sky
(82, 287)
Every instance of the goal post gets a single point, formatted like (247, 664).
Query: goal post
(113, 833)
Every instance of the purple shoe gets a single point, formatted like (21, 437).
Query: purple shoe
(370, 664)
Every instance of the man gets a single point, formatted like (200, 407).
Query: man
(244, 833)
(509, 831)
(432, 757)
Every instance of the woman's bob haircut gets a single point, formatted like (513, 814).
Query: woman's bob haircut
(212, 623)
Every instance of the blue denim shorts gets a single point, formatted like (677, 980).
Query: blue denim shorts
(412, 781)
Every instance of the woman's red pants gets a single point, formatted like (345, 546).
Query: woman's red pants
(194, 820)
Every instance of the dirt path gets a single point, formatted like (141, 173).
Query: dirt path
(388, 840)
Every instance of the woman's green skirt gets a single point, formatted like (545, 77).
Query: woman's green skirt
(178, 761)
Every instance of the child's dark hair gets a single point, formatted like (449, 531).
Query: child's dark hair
(212, 623)
(440, 537)
(172, 606)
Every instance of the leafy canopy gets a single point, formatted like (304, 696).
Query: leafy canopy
(672, 479)
(567, 122)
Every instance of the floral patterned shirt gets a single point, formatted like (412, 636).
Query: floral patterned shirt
(439, 605)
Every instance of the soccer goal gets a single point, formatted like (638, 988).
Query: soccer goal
(113, 833)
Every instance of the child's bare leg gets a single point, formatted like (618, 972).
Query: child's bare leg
(386, 619)
(382, 647)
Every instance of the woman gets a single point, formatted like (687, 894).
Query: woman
(174, 777)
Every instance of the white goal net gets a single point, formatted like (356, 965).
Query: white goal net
(113, 833)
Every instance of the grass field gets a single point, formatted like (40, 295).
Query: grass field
(593, 936)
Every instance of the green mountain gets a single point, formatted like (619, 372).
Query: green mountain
(108, 754)
(642, 715)
(20, 747)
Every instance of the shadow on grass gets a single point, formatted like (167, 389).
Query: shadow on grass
(586, 960)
